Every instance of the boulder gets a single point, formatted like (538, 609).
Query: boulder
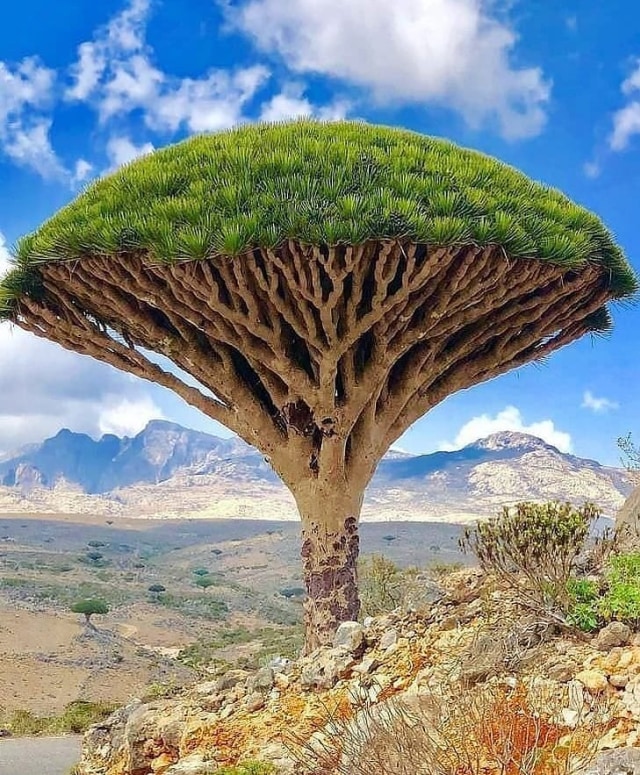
(323, 668)
(350, 636)
(614, 634)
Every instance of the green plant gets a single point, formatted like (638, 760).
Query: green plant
(89, 607)
(618, 598)
(534, 543)
(201, 572)
(76, 718)
(247, 768)
(205, 582)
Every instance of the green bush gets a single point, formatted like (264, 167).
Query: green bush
(592, 607)
(76, 718)
(247, 768)
(534, 543)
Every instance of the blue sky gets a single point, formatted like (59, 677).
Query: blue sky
(552, 88)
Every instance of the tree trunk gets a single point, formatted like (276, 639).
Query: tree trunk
(330, 545)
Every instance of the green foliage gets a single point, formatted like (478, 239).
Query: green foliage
(383, 586)
(76, 718)
(205, 582)
(339, 182)
(247, 768)
(201, 572)
(157, 589)
(618, 599)
(90, 607)
(537, 543)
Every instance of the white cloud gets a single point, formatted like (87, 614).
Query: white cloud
(449, 52)
(595, 404)
(291, 103)
(45, 388)
(626, 121)
(26, 91)
(128, 417)
(121, 150)
(115, 73)
(509, 419)
(81, 171)
(5, 256)
(592, 169)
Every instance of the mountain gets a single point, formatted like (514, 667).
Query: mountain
(168, 470)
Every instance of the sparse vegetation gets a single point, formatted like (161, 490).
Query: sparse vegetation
(77, 717)
(534, 549)
(384, 586)
(246, 768)
(493, 728)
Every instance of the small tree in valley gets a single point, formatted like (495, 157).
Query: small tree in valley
(89, 608)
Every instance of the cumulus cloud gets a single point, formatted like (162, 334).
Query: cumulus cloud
(26, 92)
(455, 53)
(127, 417)
(122, 150)
(114, 72)
(45, 388)
(598, 405)
(509, 419)
(291, 103)
(626, 120)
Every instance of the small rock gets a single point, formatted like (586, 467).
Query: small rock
(389, 638)
(368, 665)
(562, 672)
(570, 717)
(281, 681)
(255, 702)
(619, 680)
(194, 764)
(262, 681)
(621, 761)
(593, 680)
(614, 634)
(350, 635)
(230, 679)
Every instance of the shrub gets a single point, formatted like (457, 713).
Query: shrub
(537, 543)
(380, 585)
(618, 600)
(201, 572)
(76, 718)
(491, 729)
(247, 768)
(205, 582)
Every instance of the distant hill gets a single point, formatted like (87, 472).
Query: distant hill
(168, 470)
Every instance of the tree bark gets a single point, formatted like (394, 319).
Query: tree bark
(330, 547)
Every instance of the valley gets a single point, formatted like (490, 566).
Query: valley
(248, 611)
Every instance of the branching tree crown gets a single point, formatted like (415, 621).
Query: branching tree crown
(326, 284)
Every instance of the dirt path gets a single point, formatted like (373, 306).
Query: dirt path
(39, 755)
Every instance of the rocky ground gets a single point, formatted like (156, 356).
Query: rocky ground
(465, 634)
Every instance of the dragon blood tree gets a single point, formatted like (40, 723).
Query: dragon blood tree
(326, 285)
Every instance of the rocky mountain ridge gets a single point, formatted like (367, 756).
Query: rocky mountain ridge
(168, 470)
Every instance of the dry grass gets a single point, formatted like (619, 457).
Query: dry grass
(494, 729)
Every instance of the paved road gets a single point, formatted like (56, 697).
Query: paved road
(38, 755)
